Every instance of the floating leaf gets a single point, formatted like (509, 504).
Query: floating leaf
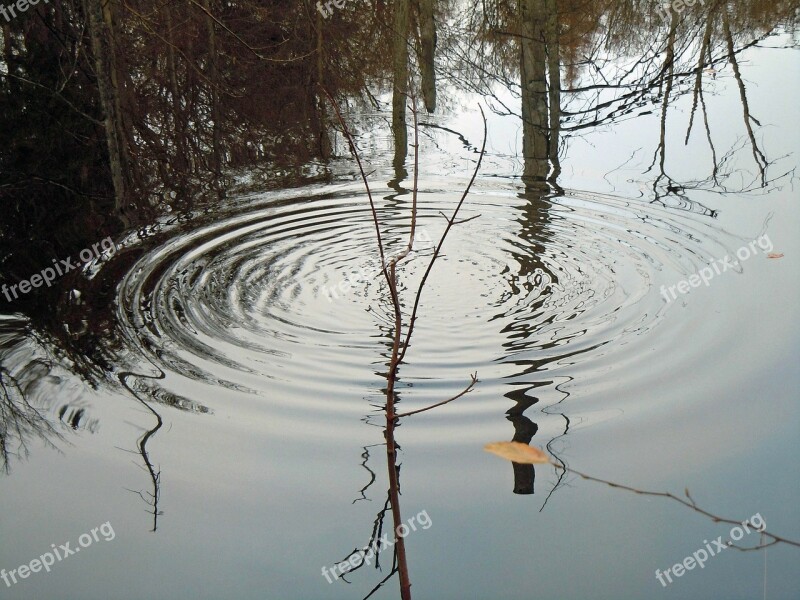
(518, 452)
(774, 255)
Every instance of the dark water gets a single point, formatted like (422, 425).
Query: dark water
(240, 451)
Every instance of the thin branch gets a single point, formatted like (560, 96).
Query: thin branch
(689, 504)
(355, 154)
(450, 223)
(245, 44)
(389, 270)
(466, 390)
(462, 221)
(55, 94)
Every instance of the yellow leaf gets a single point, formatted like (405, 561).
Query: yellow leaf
(517, 452)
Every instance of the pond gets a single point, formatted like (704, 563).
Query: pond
(623, 291)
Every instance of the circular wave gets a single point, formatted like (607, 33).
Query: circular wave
(284, 298)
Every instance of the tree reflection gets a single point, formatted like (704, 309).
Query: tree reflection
(152, 496)
(524, 430)
(570, 67)
(583, 66)
(19, 422)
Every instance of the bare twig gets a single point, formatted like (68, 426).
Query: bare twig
(466, 390)
(354, 152)
(238, 38)
(690, 503)
(399, 349)
(450, 223)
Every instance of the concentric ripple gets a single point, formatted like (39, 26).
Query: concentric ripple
(283, 298)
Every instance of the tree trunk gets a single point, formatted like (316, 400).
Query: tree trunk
(554, 77)
(427, 31)
(321, 122)
(400, 89)
(179, 129)
(533, 59)
(101, 33)
(213, 77)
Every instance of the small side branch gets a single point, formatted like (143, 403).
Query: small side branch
(467, 390)
(690, 503)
